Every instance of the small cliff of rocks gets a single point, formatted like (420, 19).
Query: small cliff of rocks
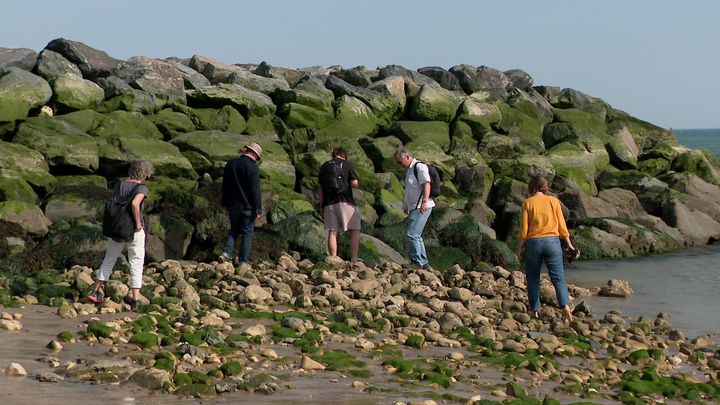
(71, 117)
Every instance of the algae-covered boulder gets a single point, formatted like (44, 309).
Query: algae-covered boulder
(376, 252)
(287, 208)
(166, 158)
(353, 119)
(695, 162)
(301, 116)
(126, 124)
(168, 237)
(62, 145)
(172, 123)
(28, 216)
(474, 79)
(20, 92)
(311, 93)
(526, 126)
(304, 232)
(72, 92)
(620, 155)
(248, 102)
(76, 201)
(156, 77)
(26, 163)
(130, 100)
(434, 104)
(14, 187)
(225, 118)
(409, 131)
(209, 150)
(474, 179)
(523, 167)
(444, 78)
(575, 166)
(479, 116)
(385, 108)
(393, 87)
(594, 243)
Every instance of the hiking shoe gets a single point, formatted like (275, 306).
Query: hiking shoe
(134, 305)
(96, 297)
(223, 258)
(412, 266)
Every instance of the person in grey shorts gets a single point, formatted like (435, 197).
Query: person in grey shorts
(337, 205)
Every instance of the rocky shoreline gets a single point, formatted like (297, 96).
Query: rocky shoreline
(416, 336)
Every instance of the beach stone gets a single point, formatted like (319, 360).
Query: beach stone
(255, 294)
(269, 353)
(703, 341)
(511, 345)
(365, 288)
(362, 343)
(461, 294)
(449, 321)
(456, 356)
(676, 334)
(152, 378)
(616, 288)
(12, 326)
(116, 288)
(359, 385)
(211, 319)
(294, 323)
(15, 370)
(254, 330)
(311, 365)
(67, 312)
(84, 281)
(50, 377)
(499, 393)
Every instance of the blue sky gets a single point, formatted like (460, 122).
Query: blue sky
(657, 60)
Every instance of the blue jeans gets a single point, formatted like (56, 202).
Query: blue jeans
(548, 250)
(413, 233)
(242, 222)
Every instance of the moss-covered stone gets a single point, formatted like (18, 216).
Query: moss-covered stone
(519, 125)
(247, 101)
(146, 340)
(695, 162)
(434, 104)
(97, 329)
(301, 116)
(480, 117)
(72, 92)
(232, 368)
(123, 124)
(61, 144)
(21, 91)
(172, 123)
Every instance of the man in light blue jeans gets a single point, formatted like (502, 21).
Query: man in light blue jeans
(417, 204)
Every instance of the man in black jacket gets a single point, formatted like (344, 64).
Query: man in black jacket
(241, 198)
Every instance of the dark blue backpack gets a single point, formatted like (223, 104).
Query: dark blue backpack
(118, 221)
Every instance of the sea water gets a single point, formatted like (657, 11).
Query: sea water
(685, 284)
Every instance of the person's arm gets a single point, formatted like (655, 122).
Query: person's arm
(522, 232)
(562, 226)
(258, 192)
(137, 214)
(425, 196)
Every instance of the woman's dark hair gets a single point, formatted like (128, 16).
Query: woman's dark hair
(339, 152)
(538, 183)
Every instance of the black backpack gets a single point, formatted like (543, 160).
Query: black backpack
(435, 180)
(332, 177)
(118, 222)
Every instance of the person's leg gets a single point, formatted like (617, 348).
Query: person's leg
(332, 243)
(554, 263)
(533, 261)
(247, 227)
(136, 257)
(234, 216)
(354, 244)
(413, 233)
(105, 271)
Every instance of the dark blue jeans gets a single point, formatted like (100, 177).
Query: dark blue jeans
(548, 250)
(242, 222)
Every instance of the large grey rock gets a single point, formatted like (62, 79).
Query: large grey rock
(482, 78)
(191, 77)
(520, 79)
(255, 82)
(291, 76)
(393, 87)
(625, 202)
(357, 76)
(51, 64)
(214, 70)
(156, 77)
(698, 227)
(444, 78)
(26, 163)
(20, 92)
(399, 71)
(114, 86)
(385, 108)
(21, 58)
(583, 206)
(28, 216)
(93, 63)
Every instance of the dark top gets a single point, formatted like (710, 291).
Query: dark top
(241, 184)
(126, 187)
(350, 174)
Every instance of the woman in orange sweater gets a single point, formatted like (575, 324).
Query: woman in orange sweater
(541, 226)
